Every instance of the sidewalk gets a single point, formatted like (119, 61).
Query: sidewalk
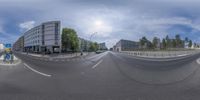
(62, 55)
(15, 61)
(160, 54)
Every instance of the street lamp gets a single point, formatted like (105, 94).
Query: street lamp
(92, 35)
(90, 39)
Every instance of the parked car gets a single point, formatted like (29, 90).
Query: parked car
(98, 51)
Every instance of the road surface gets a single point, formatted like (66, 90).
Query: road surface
(105, 76)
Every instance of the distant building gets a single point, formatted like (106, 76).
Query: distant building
(19, 44)
(102, 46)
(84, 44)
(43, 38)
(126, 45)
(114, 48)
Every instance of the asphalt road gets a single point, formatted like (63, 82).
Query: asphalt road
(105, 76)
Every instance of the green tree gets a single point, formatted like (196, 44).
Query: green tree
(143, 41)
(195, 45)
(190, 43)
(94, 46)
(69, 39)
(174, 43)
(155, 42)
(168, 42)
(186, 39)
(164, 44)
(178, 41)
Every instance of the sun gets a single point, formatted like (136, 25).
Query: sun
(98, 23)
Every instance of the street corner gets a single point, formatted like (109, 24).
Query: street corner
(11, 60)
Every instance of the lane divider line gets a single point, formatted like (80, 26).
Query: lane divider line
(47, 75)
(97, 64)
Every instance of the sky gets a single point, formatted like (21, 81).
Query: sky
(111, 20)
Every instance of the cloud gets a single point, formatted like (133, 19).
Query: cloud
(1, 27)
(127, 19)
(27, 25)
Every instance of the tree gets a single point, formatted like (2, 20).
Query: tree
(174, 43)
(168, 43)
(69, 39)
(154, 42)
(149, 45)
(178, 41)
(143, 41)
(94, 46)
(190, 43)
(186, 39)
(164, 44)
(195, 45)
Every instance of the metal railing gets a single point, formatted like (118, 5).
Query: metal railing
(161, 54)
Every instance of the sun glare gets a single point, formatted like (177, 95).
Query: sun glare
(98, 23)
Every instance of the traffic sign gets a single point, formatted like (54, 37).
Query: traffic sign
(7, 45)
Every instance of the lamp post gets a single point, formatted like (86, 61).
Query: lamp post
(90, 39)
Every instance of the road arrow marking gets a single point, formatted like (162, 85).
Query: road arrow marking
(47, 75)
(198, 61)
(97, 64)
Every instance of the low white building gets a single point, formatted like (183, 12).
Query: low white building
(1, 47)
(43, 38)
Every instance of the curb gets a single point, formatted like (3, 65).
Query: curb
(160, 59)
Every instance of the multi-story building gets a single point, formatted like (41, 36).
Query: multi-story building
(84, 44)
(102, 46)
(19, 44)
(43, 38)
(126, 45)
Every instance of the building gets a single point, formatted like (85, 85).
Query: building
(84, 44)
(114, 48)
(102, 46)
(1, 47)
(19, 44)
(43, 38)
(186, 45)
(126, 45)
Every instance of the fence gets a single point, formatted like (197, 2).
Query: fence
(161, 54)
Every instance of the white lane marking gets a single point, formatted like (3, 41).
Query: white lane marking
(183, 55)
(198, 61)
(47, 75)
(97, 64)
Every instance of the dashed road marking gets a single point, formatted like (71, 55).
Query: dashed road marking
(46, 59)
(97, 64)
(47, 75)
